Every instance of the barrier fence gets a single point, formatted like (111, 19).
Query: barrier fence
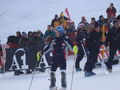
(26, 58)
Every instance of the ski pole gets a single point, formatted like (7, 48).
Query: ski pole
(84, 49)
(32, 77)
(38, 58)
(75, 49)
(73, 73)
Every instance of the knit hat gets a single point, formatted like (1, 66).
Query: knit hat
(56, 15)
(61, 15)
(24, 34)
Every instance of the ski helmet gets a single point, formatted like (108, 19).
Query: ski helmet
(60, 29)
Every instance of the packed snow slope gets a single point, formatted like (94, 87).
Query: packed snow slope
(101, 81)
(31, 15)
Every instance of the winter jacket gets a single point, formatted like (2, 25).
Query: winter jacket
(113, 37)
(55, 23)
(33, 41)
(23, 42)
(58, 46)
(49, 33)
(63, 20)
(93, 42)
(81, 37)
(111, 12)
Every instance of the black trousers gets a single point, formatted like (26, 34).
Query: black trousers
(91, 60)
(79, 57)
(111, 56)
(58, 62)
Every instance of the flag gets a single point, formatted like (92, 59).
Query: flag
(67, 13)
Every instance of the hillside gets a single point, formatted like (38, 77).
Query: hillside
(31, 15)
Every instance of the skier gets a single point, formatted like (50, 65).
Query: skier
(93, 45)
(111, 12)
(113, 39)
(81, 37)
(57, 46)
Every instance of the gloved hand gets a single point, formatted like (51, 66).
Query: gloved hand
(39, 54)
(75, 49)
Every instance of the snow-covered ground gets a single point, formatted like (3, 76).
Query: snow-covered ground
(101, 81)
(31, 15)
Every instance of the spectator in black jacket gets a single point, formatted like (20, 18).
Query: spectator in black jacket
(85, 23)
(93, 45)
(30, 34)
(36, 39)
(113, 39)
(81, 37)
(55, 22)
(92, 24)
(23, 41)
(18, 36)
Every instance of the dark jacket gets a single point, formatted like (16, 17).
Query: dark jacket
(113, 37)
(58, 46)
(55, 22)
(23, 42)
(93, 42)
(50, 33)
(11, 39)
(81, 37)
(33, 41)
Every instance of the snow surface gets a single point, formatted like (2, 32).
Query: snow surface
(31, 15)
(101, 81)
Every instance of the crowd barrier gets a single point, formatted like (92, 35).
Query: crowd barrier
(26, 58)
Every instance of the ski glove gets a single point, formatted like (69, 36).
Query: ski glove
(75, 49)
(39, 54)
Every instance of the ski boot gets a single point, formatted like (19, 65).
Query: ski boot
(63, 80)
(88, 74)
(78, 69)
(109, 66)
(28, 71)
(52, 81)
(109, 70)
(18, 72)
